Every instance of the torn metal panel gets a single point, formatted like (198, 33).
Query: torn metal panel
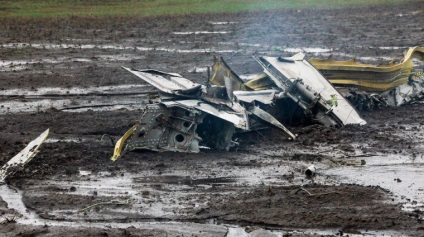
(264, 96)
(23, 157)
(240, 120)
(229, 85)
(166, 129)
(175, 125)
(262, 114)
(221, 70)
(301, 82)
(174, 120)
(171, 83)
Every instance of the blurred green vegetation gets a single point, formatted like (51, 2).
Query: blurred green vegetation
(142, 8)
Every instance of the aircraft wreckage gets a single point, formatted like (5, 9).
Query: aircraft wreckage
(184, 116)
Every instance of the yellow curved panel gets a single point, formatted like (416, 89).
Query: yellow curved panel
(120, 143)
(351, 65)
(220, 70)
(261, 82)
(367, 76)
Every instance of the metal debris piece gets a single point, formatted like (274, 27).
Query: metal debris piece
(23, 157)
(364, 101)
(171, 83)
(264, 96)
(371, 78)
(220, 70)
(310, 171)
(408, 93)
(293, 78)
(302, 83)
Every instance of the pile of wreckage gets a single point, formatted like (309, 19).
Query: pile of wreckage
(185, 116)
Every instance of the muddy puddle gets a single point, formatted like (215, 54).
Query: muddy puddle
(157, 200)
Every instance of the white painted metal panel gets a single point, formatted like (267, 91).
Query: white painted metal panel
(297, 68)
(173, 83)
(263, 96)
(240, 120)
(22, 157)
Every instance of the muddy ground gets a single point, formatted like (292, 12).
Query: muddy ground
(64, 74)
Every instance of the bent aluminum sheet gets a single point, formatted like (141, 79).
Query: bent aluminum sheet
(240, 120)
(295, 68)
(265, 116)
(22, 157)
(264, 96)
(171, 83)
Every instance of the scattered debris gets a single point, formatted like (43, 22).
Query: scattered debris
(316, 194)
(23, 157)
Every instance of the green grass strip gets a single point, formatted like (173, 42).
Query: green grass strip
(143, 8)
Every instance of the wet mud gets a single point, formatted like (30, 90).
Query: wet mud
(65, 74)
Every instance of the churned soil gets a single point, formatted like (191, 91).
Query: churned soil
(88, 52)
